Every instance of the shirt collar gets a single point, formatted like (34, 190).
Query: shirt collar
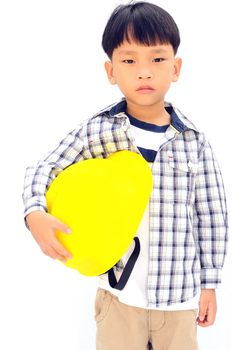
(178, 121)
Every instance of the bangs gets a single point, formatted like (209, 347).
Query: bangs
(143, 23)
(144, 34)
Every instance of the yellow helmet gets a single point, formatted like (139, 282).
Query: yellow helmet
(102, 201)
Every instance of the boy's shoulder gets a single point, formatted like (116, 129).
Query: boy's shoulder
(111, 111)
(114, 110)
(187, 130)
(108, 119)
(180, 117)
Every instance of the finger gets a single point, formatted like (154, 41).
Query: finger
(207, 321)
(202, 312)
(60, 249)
(211, 314)
(203, 323)
(54, 255)
(59, 225)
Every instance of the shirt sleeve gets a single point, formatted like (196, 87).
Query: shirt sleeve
(38, 177)
(210, 221)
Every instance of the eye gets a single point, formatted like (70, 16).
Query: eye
(158, 60)
(128, 61)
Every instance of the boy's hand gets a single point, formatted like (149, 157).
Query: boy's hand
(43, 227)
(207, 308)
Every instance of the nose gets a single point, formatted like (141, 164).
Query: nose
(144, 74)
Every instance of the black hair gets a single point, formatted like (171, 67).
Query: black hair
(144, 22)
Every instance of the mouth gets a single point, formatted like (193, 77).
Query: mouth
(145, 89)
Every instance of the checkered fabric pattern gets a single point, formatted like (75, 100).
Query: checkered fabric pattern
(188, 215)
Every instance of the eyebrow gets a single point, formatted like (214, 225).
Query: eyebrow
(130, 52)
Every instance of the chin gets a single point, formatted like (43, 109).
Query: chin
(144, 100)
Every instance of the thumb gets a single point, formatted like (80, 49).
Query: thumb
(203, 311)
(59, 225)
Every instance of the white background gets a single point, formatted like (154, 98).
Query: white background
(51, 77)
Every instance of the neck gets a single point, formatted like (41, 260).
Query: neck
(154, 114)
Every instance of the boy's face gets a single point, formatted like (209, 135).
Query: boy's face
(143, 73)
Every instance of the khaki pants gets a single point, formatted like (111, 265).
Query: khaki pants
(123, 327)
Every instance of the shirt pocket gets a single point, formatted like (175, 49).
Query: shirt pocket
(183, 166)
(180, 181)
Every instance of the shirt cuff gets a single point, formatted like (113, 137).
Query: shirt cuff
(210, 278)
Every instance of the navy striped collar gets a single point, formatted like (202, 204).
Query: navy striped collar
(146, 126)
(120, 109)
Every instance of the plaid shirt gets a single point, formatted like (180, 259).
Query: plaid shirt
(188, 216)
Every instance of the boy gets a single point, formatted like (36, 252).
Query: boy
(183, 233)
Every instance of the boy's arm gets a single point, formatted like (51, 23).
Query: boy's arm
(42, 225)
(39, 177)
(210, 219)
(211, 231)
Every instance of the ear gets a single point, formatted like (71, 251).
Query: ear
(109, 71)
(177, 68)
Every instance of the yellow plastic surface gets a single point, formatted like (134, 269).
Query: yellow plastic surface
(103, 202)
